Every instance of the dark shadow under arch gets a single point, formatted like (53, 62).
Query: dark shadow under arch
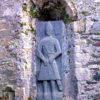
(53, 10)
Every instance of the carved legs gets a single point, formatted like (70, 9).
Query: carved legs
(53, 90)
(45, 86)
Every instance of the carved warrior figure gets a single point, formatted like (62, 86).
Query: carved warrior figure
(48, 50)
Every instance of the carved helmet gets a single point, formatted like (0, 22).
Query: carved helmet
(49, 29)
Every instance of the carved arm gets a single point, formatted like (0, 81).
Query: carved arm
(39, 53)
(58, 51)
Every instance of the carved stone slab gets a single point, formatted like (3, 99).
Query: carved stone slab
(52, 61)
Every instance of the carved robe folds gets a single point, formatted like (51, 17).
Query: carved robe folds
(48, 48)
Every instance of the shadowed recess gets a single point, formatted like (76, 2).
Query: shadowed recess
(51, 10)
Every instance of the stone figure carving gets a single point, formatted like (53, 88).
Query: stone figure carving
(48, 50)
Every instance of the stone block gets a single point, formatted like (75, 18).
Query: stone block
(4, 25)
(3, 53)
(97, 44)
(95, 37)
(4, 28)
(5, 33)
(82, 97)
(97, 1)
(93, 66)
(19, 93)
(78, 57)
(81, 87)
(95, 28)
(83, 74)
(79, 26)
(4, 41)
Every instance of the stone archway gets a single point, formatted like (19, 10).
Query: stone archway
(55, 9)
(8, 93)
(69, 10)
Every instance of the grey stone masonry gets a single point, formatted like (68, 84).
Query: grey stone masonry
(18, 45)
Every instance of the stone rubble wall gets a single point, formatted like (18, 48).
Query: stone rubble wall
(87, 48)
(17, 46)
(17, 49)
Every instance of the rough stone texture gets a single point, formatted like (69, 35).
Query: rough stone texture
(54, 9)
(17, 49)
(88, 49)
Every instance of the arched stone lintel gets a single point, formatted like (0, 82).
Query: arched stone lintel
(71, 10)
(69, 5)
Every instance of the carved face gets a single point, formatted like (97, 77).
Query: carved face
(49, 29)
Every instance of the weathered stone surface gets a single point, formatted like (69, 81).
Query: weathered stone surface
(83, 74)
(95, 28)
(17, 47)
(79, 26)
(54, 9)
(62, 67)
(4, 25)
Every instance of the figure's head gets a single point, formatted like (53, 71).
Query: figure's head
(49, 29)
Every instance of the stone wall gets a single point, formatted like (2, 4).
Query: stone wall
(87, 48)
(17, 49)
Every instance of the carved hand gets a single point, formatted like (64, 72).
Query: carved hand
(51, 59)
(46, 62)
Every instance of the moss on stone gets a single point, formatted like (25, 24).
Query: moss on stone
(33, 12)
